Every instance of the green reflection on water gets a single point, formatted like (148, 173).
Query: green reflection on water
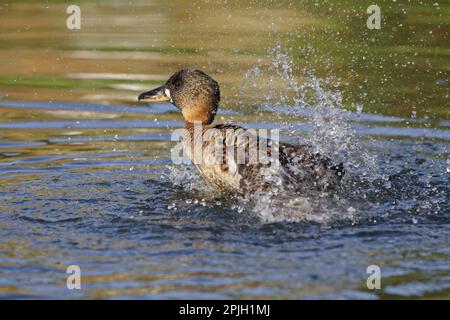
(402, 69)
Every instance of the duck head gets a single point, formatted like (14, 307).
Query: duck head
(193, 92)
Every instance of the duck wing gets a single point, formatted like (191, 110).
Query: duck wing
(305, 167)
(241, 168)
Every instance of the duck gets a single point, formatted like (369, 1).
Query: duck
(197, 96)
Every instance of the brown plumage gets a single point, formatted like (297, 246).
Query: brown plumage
(226, 159)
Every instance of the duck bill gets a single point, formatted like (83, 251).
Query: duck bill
(155, 95)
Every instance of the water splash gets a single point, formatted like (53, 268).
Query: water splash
(185, 177)
(319, 102)
(287, 94)
(330, 135)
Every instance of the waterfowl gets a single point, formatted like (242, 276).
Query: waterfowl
(218, 156)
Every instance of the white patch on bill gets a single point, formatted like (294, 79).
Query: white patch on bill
(167, 92)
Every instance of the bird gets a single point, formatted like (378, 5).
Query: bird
(226, 158)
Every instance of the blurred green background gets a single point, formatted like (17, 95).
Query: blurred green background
(124, 47)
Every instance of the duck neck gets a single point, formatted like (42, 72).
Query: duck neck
(196, 125)
(200, 110)
(193, 139)
(204, 116)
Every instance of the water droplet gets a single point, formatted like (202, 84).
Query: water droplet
(171, 206)
(359, 108)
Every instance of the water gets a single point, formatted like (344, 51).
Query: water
(92, 194)
(86, 176)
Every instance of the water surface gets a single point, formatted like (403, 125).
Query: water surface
(86, 176)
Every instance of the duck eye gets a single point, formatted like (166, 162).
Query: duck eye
(177, 80)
